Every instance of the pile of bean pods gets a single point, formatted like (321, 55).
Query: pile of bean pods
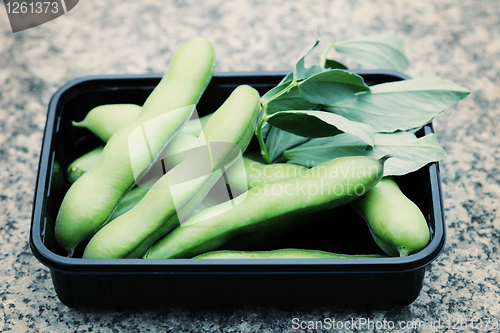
(131, 198)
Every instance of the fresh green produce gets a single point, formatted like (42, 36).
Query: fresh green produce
(322, 112)
(91, 200)
(281, 254)
(395, 222)
(105, 120)
(194, 126)
(316, 116)
(408, 151)
(132, 198)
(178, 149)
(257, 172)
(379, 51)
(329, 185)
(161, 210)
(83, 164)
(173, 154)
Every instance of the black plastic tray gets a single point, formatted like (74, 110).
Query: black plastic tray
(140, 282)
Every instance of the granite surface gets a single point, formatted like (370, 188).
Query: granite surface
(453, 39)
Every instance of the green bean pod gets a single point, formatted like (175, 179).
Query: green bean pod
(91, 200)
(178, 149)
(282, 254)
(257, 172)
(180, 191)
(194, 126)
(397, 225)
(130, 200)
(105, 120)
(83, 164)
(326, 186)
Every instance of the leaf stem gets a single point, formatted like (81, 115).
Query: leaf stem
(258, 131)
(322, 56)
(292, 84)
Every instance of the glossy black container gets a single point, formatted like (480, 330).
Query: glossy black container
(139, 282)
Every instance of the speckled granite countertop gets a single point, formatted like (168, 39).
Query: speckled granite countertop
(453, 39)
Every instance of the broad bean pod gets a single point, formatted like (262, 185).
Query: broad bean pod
(83, 164)
(326, 186)
(257, 172)
(90, 202)
(282, 254)
(397, 225)
(105, 120)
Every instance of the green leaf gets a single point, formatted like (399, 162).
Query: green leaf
(299, 71)
(290, 101)
(274, 91)
(400, 105)
(308, 72)
(313, 70)
(265, 129)
(333, 64)
(409, 152)
(277, 141)
(331, 86)
(317, 151)
(317, 124)
(384, 51)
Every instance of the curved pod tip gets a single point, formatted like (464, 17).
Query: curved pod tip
(78, 123)
(383, 159)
